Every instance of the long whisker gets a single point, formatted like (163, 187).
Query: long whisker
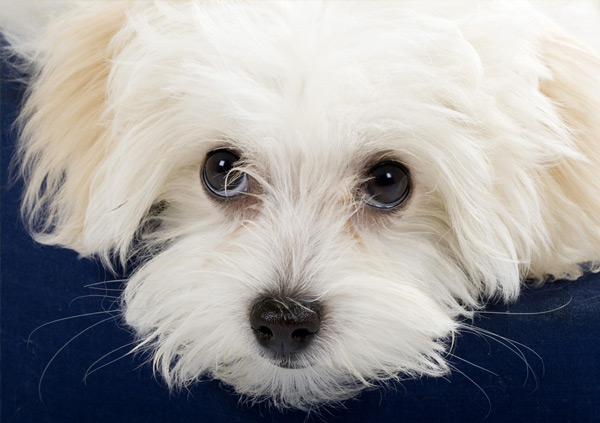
(95, 288)
(105, 282)
(512, 342)
(512, 346)
(112, 297)
(473, 364)
(61, 349)
(537, 313)
(91, 370)
(65, 319)
(454, 369)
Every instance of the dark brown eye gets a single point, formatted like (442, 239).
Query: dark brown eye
(220, 176)
(388, 185)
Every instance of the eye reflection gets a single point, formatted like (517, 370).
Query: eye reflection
(388, 185)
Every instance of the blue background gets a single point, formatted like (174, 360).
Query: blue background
(540, 367)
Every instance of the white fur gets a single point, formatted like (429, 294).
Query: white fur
(493, 109)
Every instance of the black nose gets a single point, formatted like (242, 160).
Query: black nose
(285, 326)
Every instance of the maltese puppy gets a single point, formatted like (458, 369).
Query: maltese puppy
(312, 195)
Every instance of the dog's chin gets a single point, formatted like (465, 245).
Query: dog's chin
(287, 361)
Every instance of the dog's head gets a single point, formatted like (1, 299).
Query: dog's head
(316, 192)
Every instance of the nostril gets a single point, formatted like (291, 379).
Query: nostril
(301, 334)
(264, 333)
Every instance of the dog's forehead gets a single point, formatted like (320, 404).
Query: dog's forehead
(316, 76)
(330, 61)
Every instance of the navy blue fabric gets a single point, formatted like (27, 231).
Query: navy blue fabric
(540, 367)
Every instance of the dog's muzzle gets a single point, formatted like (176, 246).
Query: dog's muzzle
(285, 327)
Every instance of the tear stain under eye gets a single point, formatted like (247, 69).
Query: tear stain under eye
(352, 231)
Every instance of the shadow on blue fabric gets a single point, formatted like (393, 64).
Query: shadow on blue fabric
(64, 352)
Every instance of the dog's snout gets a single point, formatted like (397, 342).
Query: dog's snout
(285, 326)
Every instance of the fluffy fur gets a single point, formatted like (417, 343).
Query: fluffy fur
(493, 109)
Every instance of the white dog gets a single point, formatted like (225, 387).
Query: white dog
(315, 193)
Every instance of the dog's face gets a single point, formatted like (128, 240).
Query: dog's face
(317, 192)
(315, 262)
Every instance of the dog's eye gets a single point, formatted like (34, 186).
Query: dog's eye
(388, 185)
(220, 176)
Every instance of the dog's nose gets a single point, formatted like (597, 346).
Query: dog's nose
(285, 326)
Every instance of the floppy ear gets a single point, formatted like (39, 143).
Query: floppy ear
(62, 140)
(571, 189)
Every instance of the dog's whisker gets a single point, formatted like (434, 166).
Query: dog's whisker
(533, 313)
(496, 336)
(95, 288)
(91, 370)
(514, 347)
(61, 349)
(487, 397)
(105, 296)
(78, 316)
(473, 364)
(120, 281)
